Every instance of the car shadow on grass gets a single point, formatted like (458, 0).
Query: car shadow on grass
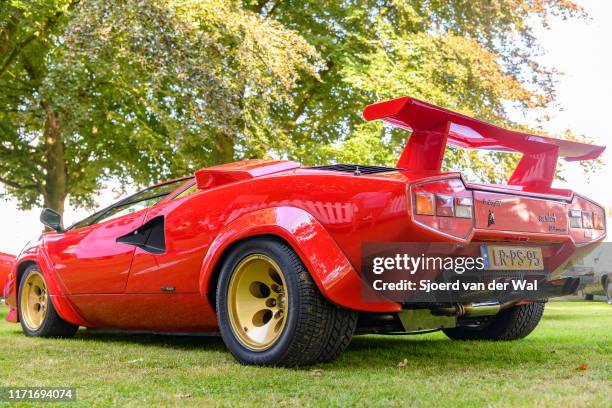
(365, 351)
(179, 342)
(368, 351)
(560, 317)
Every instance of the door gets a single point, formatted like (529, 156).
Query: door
(90, 260)
(176, 269)
(92, 256)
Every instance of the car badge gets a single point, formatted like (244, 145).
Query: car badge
(491, 219)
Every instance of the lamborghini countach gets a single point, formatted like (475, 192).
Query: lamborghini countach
(269, 253)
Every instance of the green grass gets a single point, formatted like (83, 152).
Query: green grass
(141, 370)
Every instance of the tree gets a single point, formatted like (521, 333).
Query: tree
(143, 90)
(146, 90)
(28, 129)
(473, 56)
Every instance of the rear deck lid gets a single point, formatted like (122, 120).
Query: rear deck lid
(507, 212)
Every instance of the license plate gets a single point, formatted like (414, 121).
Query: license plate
(512, 258)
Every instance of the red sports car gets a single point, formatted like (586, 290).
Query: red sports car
(6, 264)
(269, 253)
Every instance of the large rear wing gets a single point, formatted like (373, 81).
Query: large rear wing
(434, 127)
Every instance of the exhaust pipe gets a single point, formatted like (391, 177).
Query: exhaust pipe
(473, 309)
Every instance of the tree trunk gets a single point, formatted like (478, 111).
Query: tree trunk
(223, 151)
(56, 188)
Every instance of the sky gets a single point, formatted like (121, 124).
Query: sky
(580, 49)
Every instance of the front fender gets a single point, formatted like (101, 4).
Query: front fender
(57, 291)
(330, 269)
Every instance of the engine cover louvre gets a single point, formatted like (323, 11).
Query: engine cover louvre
(355, 168)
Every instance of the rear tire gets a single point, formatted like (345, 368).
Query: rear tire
(314, 330)
(510, 324)
(37, 314)
(588, 297)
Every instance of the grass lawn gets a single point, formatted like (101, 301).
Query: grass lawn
(142, 370)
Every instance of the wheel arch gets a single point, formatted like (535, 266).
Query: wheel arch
(333, 274)
(21, 268)
(61, 303)
(14, 282)
(216, 272)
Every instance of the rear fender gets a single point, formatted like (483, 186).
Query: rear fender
(330, 269)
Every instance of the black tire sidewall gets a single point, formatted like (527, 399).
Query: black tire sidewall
(510, 324)
(282, 346)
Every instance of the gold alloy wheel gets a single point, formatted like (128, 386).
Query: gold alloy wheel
(34, 300)
(257, 302)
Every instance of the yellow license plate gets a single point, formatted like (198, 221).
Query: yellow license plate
(512, 258)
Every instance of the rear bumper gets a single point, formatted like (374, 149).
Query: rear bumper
(543, 290)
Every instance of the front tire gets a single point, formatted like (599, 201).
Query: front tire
(511, 324)
(37, 314)
(270, 311)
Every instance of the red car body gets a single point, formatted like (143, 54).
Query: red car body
(323, 213)
(6, 264)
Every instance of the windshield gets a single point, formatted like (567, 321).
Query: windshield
(136, 202)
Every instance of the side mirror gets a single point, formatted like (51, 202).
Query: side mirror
(52, 219)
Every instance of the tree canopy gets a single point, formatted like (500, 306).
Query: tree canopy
(142, 90)
(474, 56)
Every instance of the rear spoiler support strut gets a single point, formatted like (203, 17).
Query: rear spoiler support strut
(425, 149)
(536, 170)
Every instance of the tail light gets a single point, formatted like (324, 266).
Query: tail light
(443, 205)
(598, 220)
(575, 218)
(424, 203)
(586, 220)
(464, 207)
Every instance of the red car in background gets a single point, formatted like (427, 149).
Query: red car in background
(6, 264)
(269, 253)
